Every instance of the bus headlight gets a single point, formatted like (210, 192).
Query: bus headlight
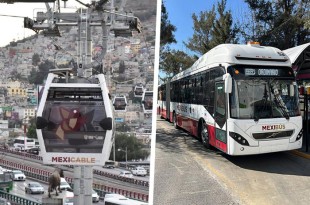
(238, 138)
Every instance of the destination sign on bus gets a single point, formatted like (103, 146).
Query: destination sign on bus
(254, 71)
(261, 72)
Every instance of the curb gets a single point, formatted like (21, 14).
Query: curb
(301, 154)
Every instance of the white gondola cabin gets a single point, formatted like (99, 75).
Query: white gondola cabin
(119, 103)
(147, 101)
(75, 123)
(138, 90)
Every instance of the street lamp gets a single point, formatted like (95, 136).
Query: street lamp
(120, 150)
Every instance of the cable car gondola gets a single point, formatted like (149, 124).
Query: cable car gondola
(120, 103)
(75, 122)
(147, 101)
(138, 90)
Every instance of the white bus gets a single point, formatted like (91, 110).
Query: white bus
(241, 99)
(24, 143)
(117, 199)
(163, 97)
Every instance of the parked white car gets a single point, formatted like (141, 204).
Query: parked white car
(126, 174)
(64, 185)
(139, 171)
(18, 175)
(95, 196)
(2, 169)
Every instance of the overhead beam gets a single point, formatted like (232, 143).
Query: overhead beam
(25, 1)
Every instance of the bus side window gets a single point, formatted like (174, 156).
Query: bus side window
(206, 90)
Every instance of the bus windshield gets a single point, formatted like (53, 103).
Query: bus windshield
(260, 98)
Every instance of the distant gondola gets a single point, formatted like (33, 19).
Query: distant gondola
(75, 118)
(147, 101)
(138, 90)
(120, 103)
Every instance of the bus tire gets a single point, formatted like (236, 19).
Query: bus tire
(175, 124)
(203, 134)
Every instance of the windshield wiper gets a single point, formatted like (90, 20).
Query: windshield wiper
(282, 107)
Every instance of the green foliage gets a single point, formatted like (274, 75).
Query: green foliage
(166, 28)
(212, 28)
(122, 67)
(32, 128)
(223, 31)
(32, 131)
(15, 75)
(35, 59)
(173, 60)
(122, 127)
(32, 76)
(38, 77)
(134, 148)
(282, 24)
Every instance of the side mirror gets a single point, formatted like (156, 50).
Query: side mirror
(292, 90)
(143, 101)
(228, 83)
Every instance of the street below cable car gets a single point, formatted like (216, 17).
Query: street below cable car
(188, 173)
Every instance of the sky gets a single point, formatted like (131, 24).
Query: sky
(180, 15)
(179, 12)
(12, 28)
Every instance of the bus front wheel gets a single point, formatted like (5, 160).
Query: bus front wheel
(204, 135)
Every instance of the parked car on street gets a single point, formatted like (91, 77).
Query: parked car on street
(95, 196)
(139, 171)
(34, 188)
(2, 169)
(126, 174)
(64, 185)
(18, 175)
(108, 166)
(34, 150)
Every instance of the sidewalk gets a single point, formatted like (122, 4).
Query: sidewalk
(303, 151)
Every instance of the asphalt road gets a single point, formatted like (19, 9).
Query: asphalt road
(187, 173)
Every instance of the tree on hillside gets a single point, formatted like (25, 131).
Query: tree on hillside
(31, 133)
(35, 59)
(15, 75)
(122, 67)
(38, 77)
(282, 23)
(212, 28)
(134, 148)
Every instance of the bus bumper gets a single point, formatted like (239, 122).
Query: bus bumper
(264, 147)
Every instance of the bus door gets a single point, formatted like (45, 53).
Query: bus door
(220, 116)
(168, 100)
